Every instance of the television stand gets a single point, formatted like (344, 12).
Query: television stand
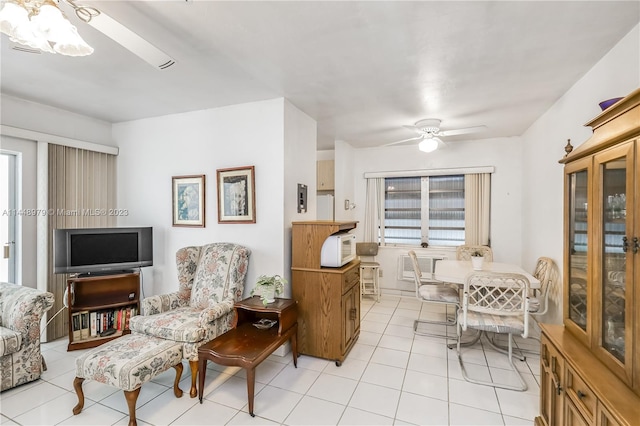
(99, 302)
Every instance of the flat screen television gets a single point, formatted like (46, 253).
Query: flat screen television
(101, 250)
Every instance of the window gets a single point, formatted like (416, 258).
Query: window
(424, 210)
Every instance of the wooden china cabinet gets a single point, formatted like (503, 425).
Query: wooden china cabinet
(590, 367)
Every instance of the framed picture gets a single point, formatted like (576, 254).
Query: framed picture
(236, 195)
(188, 200)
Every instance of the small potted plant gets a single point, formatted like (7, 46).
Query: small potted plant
(477, 260)
(269, 287)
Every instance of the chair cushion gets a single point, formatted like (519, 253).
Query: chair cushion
(439, 293)
(10, 341)
(534, 304)
(496, 323)
(179, 325)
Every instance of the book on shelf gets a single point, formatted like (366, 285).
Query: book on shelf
(84, 325)
(75, 325)
(92, 323)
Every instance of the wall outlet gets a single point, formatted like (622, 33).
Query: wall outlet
(380, 273)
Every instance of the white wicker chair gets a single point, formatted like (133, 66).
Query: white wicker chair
(464, 252)
(438, 293)
(499, 303)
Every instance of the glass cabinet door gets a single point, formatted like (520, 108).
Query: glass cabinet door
(578, 191)
(613, 279)
(613, 285)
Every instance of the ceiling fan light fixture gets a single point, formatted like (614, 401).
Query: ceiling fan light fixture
(42, 25)
(428, 145)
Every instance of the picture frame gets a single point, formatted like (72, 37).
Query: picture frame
(188, 200)
(236, 195)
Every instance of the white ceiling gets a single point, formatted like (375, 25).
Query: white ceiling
(362, 70)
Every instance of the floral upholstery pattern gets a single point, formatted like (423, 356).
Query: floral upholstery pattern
(21, 310)
(211, 280)
(129, 361)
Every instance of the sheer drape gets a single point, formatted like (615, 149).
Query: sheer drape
(374, 209)
(477, 188)
(81, 191)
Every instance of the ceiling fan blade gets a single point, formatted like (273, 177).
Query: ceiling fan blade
(414, 128)
(403, 141)
(130, 40)
(464, 131)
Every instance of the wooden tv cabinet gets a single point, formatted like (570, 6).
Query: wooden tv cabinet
(112, 297)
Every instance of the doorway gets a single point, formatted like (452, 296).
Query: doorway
(9, 215)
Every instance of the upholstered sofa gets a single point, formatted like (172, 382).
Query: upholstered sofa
(210, 281)
(21, 310)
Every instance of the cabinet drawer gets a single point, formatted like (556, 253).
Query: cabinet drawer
(581, 395)
(573, 416)
(350, 278)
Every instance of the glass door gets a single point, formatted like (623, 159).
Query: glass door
(577, 250)
(8, 216)
(614, 257)
(577, 241)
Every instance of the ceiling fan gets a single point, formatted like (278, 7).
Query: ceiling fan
(429, 134)
(42, 26)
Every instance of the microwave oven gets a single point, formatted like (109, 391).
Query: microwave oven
(338, 250)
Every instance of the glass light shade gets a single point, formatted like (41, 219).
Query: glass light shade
(12, 16)
(428, 145)
(48, 26)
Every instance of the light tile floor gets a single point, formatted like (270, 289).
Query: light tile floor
(391, 377)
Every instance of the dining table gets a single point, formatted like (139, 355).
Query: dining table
(455, 271)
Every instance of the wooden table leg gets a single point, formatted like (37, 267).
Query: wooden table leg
(202, 371)
(132, 398)
(176, 383)
(251, 384)
(294, 349)
(77, 385)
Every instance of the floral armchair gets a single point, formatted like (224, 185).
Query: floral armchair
(210, 280)
(22, 309)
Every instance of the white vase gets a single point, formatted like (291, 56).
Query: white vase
(269, 294)
(476, 262)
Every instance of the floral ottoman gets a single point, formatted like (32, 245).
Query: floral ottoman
(127, 363)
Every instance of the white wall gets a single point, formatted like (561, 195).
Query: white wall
(153, 150)
(505, 154)
(616, 74)
(37, 117)
(300, 142)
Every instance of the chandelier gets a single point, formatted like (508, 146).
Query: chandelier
(40, 24)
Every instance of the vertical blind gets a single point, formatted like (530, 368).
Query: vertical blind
(81, 191)
(439, 209)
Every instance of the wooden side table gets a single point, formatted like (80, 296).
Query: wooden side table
(247, 346)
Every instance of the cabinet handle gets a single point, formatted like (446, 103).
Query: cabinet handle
(625, 244)
(635, 245)
(580, 394)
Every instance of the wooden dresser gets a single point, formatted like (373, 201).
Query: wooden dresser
(328, 298)
(590, 366)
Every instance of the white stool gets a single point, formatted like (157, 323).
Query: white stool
(369, 271)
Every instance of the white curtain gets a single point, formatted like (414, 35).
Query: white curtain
(374, 210)
(477, 200)
(81, 190)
